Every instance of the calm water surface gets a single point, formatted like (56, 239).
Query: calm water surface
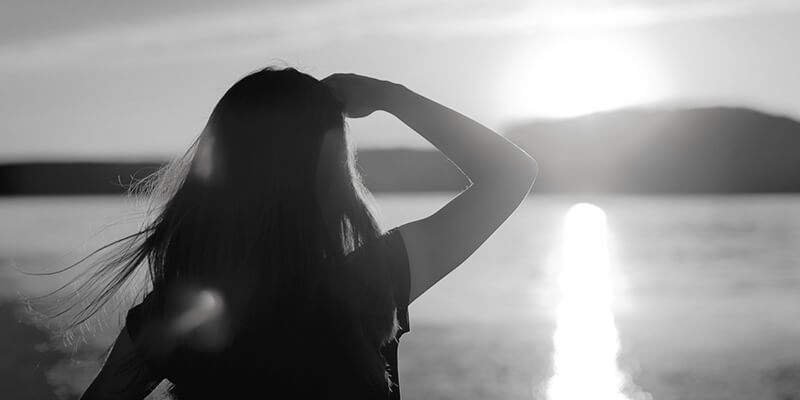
(704, 298)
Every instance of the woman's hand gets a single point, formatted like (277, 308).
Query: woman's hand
(361, 95)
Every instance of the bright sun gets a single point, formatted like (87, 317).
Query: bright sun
(573, 76)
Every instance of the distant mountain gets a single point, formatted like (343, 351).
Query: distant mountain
(683, 151)
(71, 178)
(395, 170)
(702, 150)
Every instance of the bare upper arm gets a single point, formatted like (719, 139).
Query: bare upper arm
(123, 376)
(441, 242)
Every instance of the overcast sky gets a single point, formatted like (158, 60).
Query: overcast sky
(113, 79)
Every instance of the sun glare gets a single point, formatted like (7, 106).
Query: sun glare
(585, 341)
(569, 77)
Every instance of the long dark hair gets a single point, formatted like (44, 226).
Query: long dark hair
(263, 208)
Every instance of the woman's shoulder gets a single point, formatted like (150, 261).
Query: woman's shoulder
(387, 249)
(380, 268)
(380, 260)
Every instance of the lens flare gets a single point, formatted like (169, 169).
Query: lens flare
(585, 342)
(206, 306)
(203, 167)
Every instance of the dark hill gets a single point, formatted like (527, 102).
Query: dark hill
(395, 170)
(708, 150)
(704, 150)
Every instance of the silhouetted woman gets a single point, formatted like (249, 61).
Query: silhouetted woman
(267, 273)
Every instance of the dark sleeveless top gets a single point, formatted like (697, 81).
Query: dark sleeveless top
(392, 263)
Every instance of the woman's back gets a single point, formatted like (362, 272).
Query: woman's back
(309, 355)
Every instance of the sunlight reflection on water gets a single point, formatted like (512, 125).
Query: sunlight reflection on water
(586, 341)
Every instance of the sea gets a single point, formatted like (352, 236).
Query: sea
(573, 297)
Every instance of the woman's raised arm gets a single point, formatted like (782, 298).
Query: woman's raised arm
(501, 175)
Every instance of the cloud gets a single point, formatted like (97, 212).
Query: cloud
(255, 28)
(275, 28)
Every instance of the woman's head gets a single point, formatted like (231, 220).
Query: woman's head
(269, 128)
(275, 139)
(265, 201)
(273, 166)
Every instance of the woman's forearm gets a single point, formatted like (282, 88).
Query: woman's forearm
(480, 153)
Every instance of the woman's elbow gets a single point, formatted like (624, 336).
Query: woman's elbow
(526, 171)
(518, 178)
(533, 169)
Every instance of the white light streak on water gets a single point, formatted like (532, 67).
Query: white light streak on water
(586, 342)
